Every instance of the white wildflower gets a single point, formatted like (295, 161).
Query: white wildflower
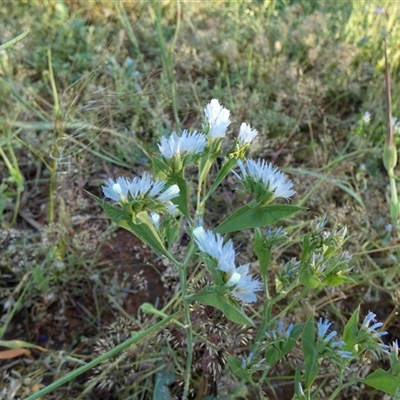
(188, 142)
(246, 134)
(243, 285)
(273, 179)
(117, 191)
(218, 119)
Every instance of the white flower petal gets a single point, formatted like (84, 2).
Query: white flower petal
(246, 134)
(189, 142)
(117, 191)
(218, 119)
(273, 179)
(170, 193)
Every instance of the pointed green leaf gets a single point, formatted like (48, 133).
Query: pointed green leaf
(250, 216)
(336, 280)
(182, 200)
(144, 230)
(161, 169)
(223, 172)
(297, 382)
(383, 381)
(310, 353)
(236, 367)
(308, 279)
(263, 253)
(230, 308)
(350, 331)
(162, 380)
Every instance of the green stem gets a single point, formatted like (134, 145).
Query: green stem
(341, 387)
(79, 371)
(189, 333)
(58, 134)
(166, 56)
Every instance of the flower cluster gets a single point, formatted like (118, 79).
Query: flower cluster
(263, 180)
(217, 119)
(288, 275)
(241, 285)
(370, 337)
(141, 191)
(326, 345)
(187, 143)
(279, 333)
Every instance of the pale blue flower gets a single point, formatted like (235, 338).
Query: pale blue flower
(218, 119)
(323, 326)
(246, 134)
(124, 190)
(275, 233)
(117, 191)
(371, 330)
(170, 193)
(327, 339)
(213, 245)
(347, 355)
(279, 333)
(240, 283)
(246, 362)
(175, 145)
(291, 267)
(141, 186)
(243, 285)
(273, 180)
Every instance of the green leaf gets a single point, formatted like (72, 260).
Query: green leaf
(144, 230)
(263, 253)
(336, 280)
(383, 381)
(297, 382)
(307, 278)
(310, 352)
(182, 200)
(162, 380)
(350, 331)
(223, 172)
(250, 216)
(161, 169)
(236, 367)
(306, 253)
(229, 307)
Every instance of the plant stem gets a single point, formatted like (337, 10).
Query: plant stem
(187, 320)
(189, 333)
(166, 57)
(340, 388)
